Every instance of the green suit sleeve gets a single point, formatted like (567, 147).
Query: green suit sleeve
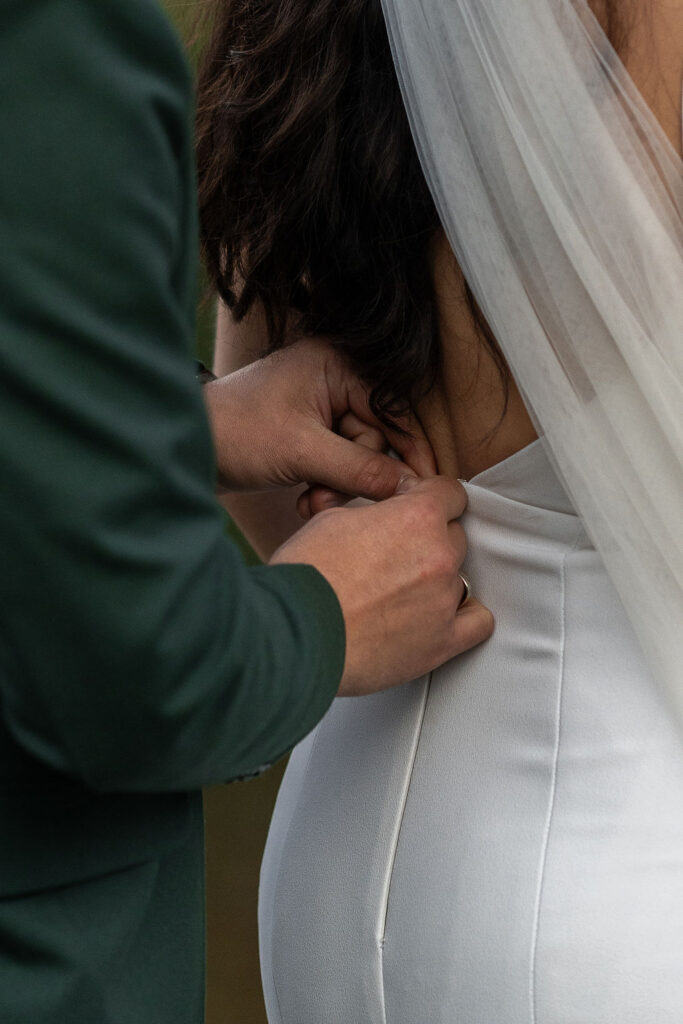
(136, 652)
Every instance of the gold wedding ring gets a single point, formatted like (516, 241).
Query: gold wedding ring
(467, 592)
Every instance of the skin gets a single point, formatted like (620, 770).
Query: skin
(272, 424)
(653, 57)
(461, 417)
(402, 614)
(278, 414)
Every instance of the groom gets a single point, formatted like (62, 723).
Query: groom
(139, 660)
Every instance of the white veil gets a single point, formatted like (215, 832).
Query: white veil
(562, 200)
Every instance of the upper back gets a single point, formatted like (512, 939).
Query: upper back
(466, 416)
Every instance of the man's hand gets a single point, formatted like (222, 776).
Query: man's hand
(302, 416)
(394, 567)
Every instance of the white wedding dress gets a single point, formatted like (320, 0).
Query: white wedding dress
(501, 843)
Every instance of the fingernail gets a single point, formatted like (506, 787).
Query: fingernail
(406, 483)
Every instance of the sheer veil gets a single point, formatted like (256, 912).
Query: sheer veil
(563, 202)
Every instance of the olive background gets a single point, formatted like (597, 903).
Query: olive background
(236, 814)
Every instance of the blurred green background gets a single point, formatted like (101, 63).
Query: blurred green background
(236, 815)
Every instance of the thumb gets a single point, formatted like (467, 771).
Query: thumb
(407, 483)
(473, 624)
(355, 470)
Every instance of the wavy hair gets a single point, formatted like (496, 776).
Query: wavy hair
(313, 205)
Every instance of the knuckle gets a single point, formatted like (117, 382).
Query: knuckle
(299, 451)
(376, 475)
(428, 510)
(411, 522)
(443, 564)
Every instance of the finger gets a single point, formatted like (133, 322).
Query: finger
(409, 440)
(473, 624)
(303, 504)
(340, 465)
(449, 495)
(322, 498)
(413, 446)
(458, 540)
(347, 393)
(355, 429)
(319, 499)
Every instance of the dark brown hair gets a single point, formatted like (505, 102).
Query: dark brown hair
(313, 204)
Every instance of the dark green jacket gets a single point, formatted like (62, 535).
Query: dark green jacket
(139, 660)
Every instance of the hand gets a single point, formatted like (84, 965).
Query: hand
(394, 567)
(317, 498)
(274, 426)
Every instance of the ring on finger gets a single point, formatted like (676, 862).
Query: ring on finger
(467, 589)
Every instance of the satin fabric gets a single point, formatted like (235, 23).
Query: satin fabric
(500, 843)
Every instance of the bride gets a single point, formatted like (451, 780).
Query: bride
(481, 203)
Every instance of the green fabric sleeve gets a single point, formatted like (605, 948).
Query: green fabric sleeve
(136, 651)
